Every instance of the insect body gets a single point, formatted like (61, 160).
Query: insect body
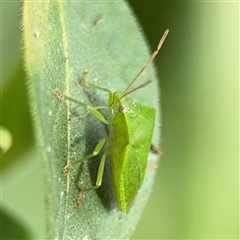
(130, 127)
(130, 136)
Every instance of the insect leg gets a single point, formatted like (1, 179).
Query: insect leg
(93, 110)
(87, 84)
(154, 149)
(98, 181)
(96, 151)
(65, 97)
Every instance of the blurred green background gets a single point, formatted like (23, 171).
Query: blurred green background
(196, 194)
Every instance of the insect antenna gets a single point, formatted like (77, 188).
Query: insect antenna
(136, 88)
(125, 92)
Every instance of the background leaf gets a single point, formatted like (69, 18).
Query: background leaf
(61, 40)
(8, 223)
(16, 117)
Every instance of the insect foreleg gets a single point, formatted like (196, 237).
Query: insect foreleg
(87, 84)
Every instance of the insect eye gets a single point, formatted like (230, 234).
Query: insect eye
(122, 109)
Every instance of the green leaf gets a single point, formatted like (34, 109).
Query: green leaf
(9, 222)
(6, 140)
(15, 116)
(61, 40)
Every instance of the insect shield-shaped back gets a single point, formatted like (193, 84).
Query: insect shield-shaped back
(130, 140)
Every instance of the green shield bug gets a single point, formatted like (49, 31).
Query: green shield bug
(130, 126)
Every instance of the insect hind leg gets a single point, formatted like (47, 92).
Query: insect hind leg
(98, 181)
(95, 152)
